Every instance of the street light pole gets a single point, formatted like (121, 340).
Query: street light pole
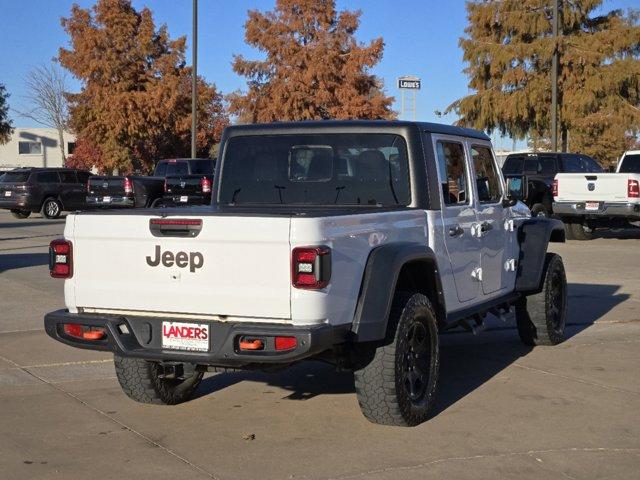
(194, 80)
(554, 81)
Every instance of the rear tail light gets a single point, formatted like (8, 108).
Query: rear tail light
(166, 189)
(555, 187)
(61, 258)
(311, 267)
(128, 186)
(84, 332)
(633, 189)
(88, 187)
(205, 185)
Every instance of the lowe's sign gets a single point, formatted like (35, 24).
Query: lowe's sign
(410, 83)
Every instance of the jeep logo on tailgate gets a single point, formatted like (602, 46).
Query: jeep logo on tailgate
(194, 260)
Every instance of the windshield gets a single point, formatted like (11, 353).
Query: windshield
(327, 169)
(630, 164)
(15, 177)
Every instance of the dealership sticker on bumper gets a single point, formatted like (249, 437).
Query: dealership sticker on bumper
(185, 336)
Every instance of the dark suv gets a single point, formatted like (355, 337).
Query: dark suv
(46, 190)
(540, 169)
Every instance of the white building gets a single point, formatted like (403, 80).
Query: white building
(35, 147)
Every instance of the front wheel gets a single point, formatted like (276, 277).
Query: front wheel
(21, 214)
(141, 381)
(397, 385)
(541, 318)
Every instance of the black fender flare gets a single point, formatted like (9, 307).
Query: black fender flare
(379, 282)
(534, 235)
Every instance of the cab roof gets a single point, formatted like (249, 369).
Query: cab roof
(333, 125)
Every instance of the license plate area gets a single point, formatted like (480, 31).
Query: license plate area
(192, 337)
(184, 198)
(106, 199)
(592, 206)
(7, 193)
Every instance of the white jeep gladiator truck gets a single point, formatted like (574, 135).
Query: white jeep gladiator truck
(587, 201)
(352, 242)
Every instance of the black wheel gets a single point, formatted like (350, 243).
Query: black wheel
(541, 317)
(580, 231)
(21, 214)
(51, 208)
(397, 385)
(140, 381)
(539, 210)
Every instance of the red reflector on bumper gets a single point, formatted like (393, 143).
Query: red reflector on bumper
(84, 332)
(286, 343)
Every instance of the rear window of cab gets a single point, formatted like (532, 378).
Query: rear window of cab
(316, 169)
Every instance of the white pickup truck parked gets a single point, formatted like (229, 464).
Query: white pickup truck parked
(352, 242)
(586, 201)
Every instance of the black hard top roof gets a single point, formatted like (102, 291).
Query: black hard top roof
(377, 124)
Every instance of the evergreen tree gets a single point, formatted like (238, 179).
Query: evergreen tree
(5, 124)
(509, 47)
(314, 66)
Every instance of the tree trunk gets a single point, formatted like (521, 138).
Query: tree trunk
(61, 141)
(565, 138)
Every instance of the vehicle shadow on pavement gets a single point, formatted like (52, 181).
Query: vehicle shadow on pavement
(11, 261)
(466, 361)
(27, 223)
(625, 234)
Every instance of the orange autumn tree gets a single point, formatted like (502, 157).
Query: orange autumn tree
(314, 67)
(135, 103)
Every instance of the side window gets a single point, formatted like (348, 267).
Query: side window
(453, 173)
(487, 178)
(48, 177)
(161, 169)
(68, 176)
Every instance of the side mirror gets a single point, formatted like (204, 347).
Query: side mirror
(516, 190)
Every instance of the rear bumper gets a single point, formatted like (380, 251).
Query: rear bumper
(144, 339)
(115, 202)
(15, 202)
(190, 199)
(606, 209)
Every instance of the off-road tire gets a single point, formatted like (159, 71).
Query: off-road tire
(21, 214)
(579, 233)
(51, 208)
(139, 381)
(541, 318)
(539, 210)
(383, 382)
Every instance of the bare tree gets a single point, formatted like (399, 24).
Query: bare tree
(46, 87)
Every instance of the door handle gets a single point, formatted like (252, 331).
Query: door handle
(456, 231)
(485, 227)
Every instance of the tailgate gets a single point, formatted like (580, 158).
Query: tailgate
(610, 187)
(235, 266)
(184, 184)
(110, 186)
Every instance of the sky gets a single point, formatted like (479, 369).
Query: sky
(421, 38)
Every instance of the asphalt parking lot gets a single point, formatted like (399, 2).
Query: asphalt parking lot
(503, 411)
